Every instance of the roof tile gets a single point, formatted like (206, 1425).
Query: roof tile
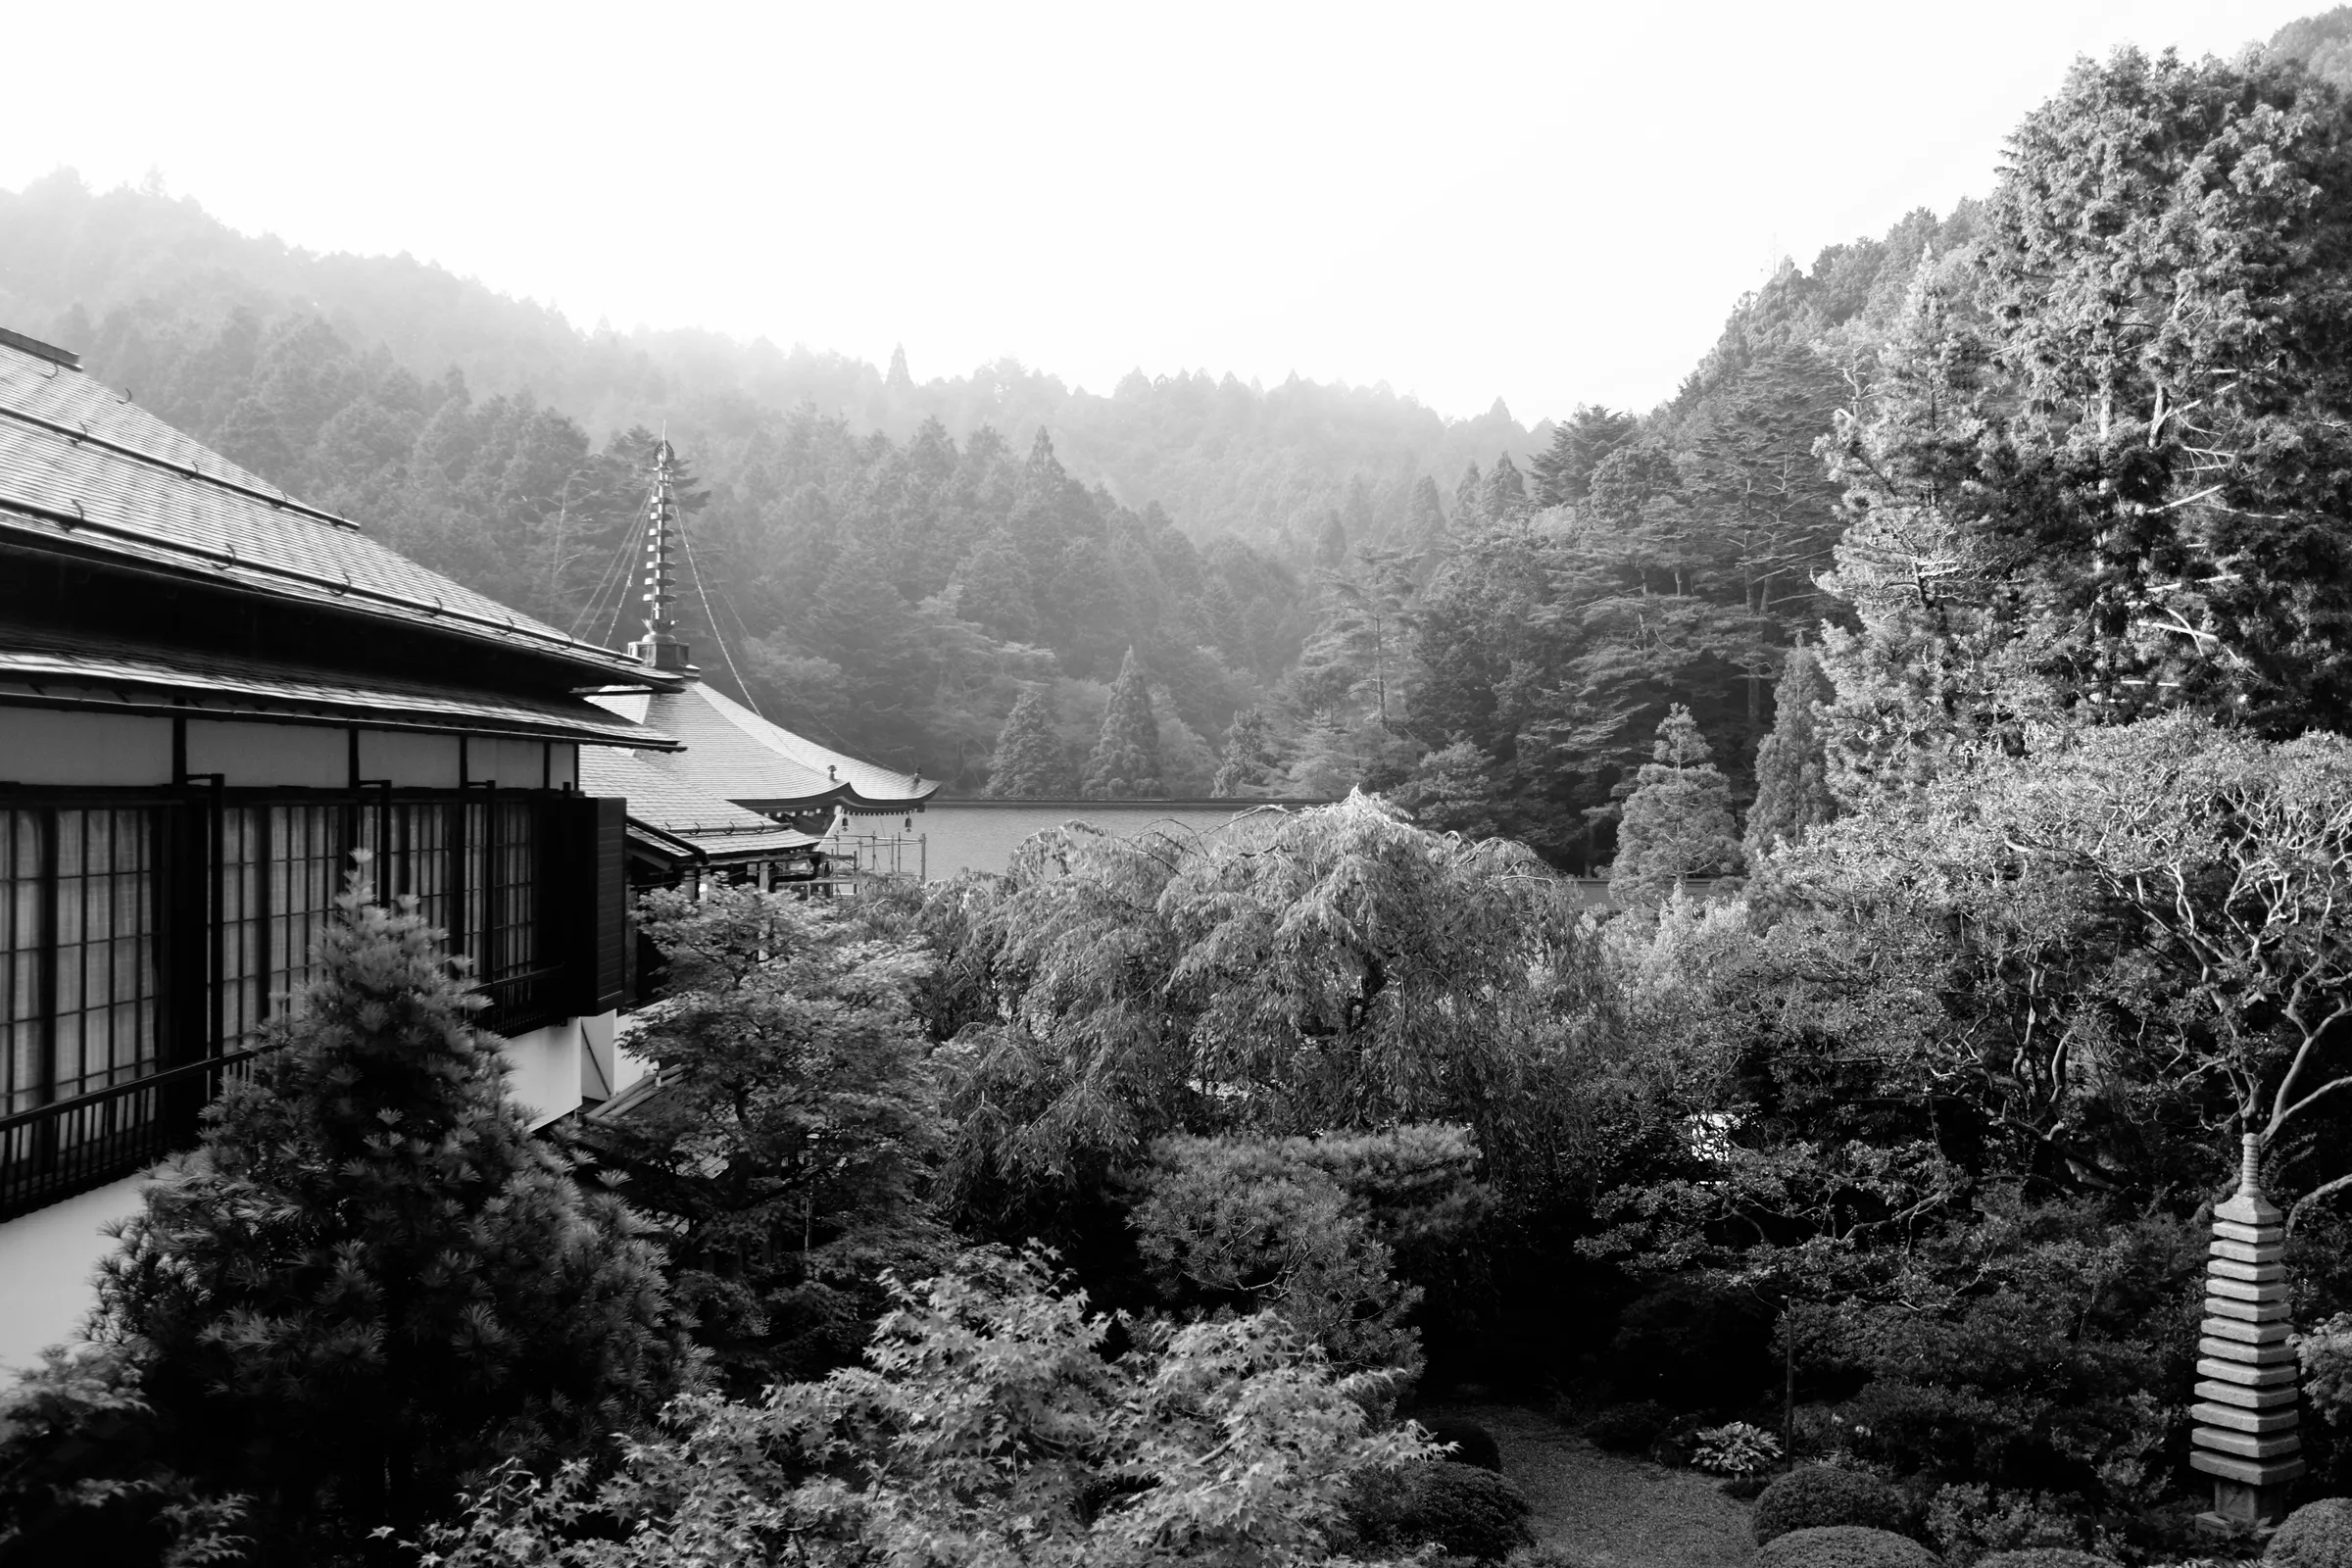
(80, 461)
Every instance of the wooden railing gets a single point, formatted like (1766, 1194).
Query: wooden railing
(51, 1153)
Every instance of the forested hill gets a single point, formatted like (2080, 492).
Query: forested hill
(1218, 455)
(1318, 586)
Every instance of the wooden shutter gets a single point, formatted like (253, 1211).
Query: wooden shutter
(596, 853)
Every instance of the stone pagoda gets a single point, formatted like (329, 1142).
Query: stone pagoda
(2246, 1370)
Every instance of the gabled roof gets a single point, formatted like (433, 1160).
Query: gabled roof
(734, 754)
(84, 467)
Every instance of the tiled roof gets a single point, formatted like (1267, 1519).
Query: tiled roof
(721, 760)
(659, 798)
(81, 463)
(736, 755)
(55, 668)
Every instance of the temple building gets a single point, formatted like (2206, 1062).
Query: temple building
(746, 798)
(211, 695)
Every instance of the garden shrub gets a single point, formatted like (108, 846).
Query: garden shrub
(1737, 1448)
(2318, 1534)
(2044, 1557)
(1473, 1444)
(1967, 1520)
(1628, 1428)
(1823, 1495)
(1462, 1510)
(1844, 1547)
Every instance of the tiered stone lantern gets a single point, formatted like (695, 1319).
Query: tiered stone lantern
(2245, 1411)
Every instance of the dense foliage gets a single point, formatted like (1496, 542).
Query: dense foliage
(789, 1150)
(990, 1427)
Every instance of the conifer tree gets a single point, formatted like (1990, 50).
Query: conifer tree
(1029, 763)
(1331, 543)
(1677, 820)
(1792, 785)
(1250, 762)
(1469, 500)
(1563, 473)
(1125, 763)
(370, 1278)
(1426, 512)
(997, 595)
(1506, 490)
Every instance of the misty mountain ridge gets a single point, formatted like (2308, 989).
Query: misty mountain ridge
(95, 268)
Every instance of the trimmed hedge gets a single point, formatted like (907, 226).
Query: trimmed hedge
(1844, 1547)
(1824, 1495)
(2318, 1534)
(2043, 1558)
(1465, 1511)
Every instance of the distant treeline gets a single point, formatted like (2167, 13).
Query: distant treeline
(1322, 587)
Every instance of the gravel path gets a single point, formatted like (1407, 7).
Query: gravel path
(1608, 1511)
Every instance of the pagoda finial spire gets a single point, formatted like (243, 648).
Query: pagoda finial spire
(660, 647)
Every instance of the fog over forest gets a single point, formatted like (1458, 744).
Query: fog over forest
(1931, 1149)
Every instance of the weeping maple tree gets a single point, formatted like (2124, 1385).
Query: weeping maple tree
(1298, 972)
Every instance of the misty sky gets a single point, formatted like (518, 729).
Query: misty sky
(1551, 203)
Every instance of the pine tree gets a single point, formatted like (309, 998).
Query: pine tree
(1677, 821)
(370, 1278)
(1793, 786)
(996, 593)
(1563, 473)
(1125, 764)
(1251, 762)
(1029, 763)
(1425, 512)
(1469, 500)
(1507, 491)
(1331, 543)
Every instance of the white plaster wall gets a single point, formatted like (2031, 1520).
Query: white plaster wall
(546, 1080)
(46, 1261)
(511, 765)
(42, 746)
(296, 756)
(410, 762)
(597, 1057)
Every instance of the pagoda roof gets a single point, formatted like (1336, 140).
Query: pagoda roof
(87, 472)
(735, 755)
(672, 807)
